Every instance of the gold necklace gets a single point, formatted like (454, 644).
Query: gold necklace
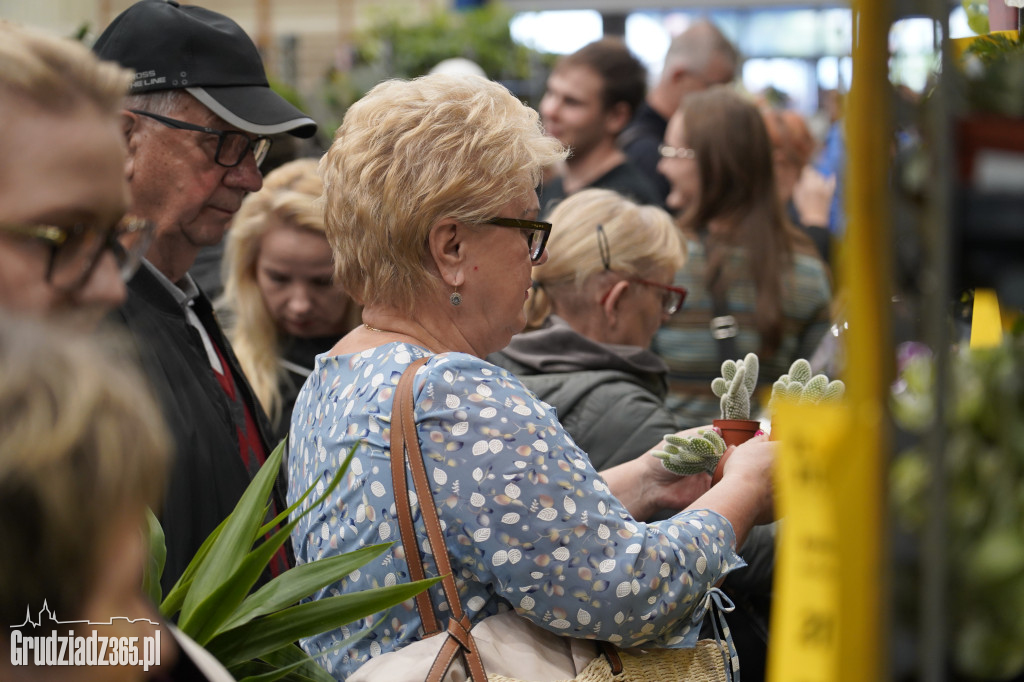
(374, 329)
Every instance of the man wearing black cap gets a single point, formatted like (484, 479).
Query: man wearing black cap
(196, 123)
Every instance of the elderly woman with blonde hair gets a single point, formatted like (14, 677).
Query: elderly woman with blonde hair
(431, 211)
(596, 303)
(280, 300)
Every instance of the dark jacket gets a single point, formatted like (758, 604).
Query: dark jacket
(609, 398)
(297, 359)
(640, 141)
(625, 179)
(207, 475)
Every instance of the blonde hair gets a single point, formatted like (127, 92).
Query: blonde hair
(640, 239)
(82, 442)
(56, 73)
(412, 152)
(289, 195)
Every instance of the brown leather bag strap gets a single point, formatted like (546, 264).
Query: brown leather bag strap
(458, 637)
(402, 507)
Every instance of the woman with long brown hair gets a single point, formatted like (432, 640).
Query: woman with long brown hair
(756, 282)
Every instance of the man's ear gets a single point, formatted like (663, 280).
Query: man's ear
(130, 130)
(618, 117)
(447, 246)
(677, 74)
(614, 300)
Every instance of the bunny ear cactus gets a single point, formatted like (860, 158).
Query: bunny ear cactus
(800, 387)
(736, 385)
(694, 455)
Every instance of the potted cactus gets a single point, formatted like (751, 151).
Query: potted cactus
(688, 456)
(798, 386)
(734, 388)
(706, 452)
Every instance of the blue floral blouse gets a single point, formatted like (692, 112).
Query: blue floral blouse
(528, 521)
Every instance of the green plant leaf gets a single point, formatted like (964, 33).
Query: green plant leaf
(154, 568)
(200, 612)
(233, 592)
(271, 673)
(299, 582)
(289, 663)
(229, 594)
(176, 597)
(268, 527)
(308, 669)
(271, 632)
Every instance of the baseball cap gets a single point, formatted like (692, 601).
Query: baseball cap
(172, 46)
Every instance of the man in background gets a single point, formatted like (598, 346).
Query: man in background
(699, 57)
(590, 98)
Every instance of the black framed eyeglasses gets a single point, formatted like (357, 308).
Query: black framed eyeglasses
(670, 152)
(75, 250)
(672, 298)
(535, 232)
(232, 145)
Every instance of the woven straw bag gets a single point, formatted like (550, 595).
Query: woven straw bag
(506, 647)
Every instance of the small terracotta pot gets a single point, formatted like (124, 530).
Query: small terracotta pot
(734, 432)
(737, 431)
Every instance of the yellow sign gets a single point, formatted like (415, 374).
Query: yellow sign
(986, 323)
(806, 616)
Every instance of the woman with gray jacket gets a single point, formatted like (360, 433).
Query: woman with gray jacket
(595, 306)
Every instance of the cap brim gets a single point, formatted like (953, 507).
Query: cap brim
(255, 109)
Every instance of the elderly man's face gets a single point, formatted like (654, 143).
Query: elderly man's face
(176, 183)
(58, 169)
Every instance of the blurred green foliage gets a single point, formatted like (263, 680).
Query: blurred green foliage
(977, 15)
(993, 69)
(984, 460)
(396, 48)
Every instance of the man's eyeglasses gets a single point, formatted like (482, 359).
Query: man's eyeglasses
(535, 232)
(232, 146)
(670, 152)
(75, 250)
(672, 298)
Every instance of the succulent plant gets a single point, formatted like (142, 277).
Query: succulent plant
(691, 455)
(800, 387)
(736, 386)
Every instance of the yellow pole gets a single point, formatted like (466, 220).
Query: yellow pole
(827, 618)
(865, 274)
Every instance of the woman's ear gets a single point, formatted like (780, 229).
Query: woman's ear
(614, 300)
(446, 243)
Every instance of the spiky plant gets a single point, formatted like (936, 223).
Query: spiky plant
(800, 387)
(736, 386)
(691, 455)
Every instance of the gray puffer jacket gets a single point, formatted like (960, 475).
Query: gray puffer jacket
(610, 398)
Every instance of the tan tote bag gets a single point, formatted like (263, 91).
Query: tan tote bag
(506, 647)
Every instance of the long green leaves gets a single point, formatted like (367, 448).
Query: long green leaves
(157, 556)
(255, 634)
(308, 619)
